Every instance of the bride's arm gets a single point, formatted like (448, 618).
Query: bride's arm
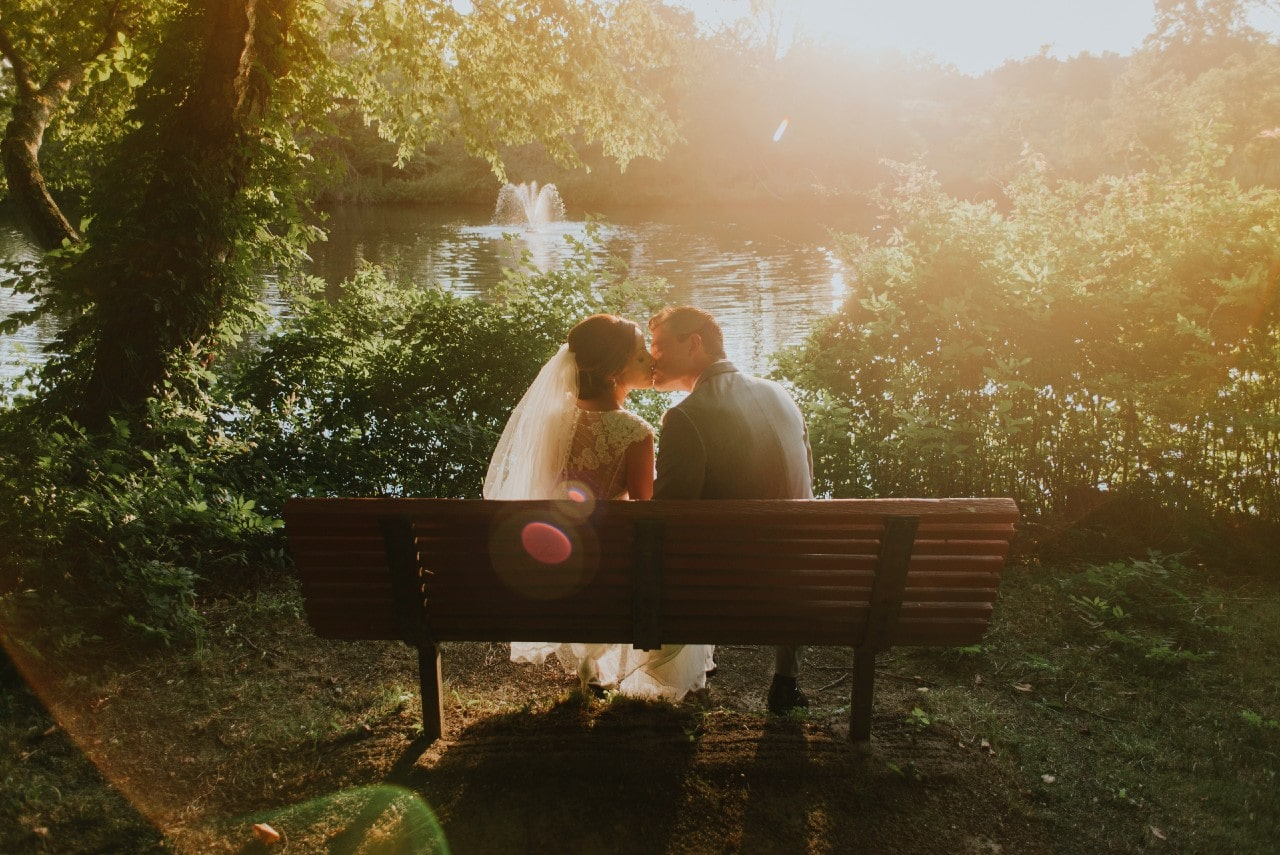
(639, 463)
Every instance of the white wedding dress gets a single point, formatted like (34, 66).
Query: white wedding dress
(549, 447)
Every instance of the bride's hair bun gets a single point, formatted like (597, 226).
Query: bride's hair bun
(601, 344)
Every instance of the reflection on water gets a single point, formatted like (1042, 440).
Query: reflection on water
(17, 245)
(766, 276)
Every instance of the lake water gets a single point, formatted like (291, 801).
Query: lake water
(765, 275)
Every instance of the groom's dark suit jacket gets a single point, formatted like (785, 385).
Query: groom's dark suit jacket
(734, 437)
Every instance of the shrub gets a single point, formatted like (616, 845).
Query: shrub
(1153, 608)
(1117, 335)
(113, 533)
(396, 390)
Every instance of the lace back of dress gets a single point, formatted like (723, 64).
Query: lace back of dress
(597, 454)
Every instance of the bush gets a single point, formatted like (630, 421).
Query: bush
(113, 533)
(1118, 335)
(1154, 608)
(395, 390)
(390, 390)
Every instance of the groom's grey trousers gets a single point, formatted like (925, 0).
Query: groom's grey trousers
(736, 437)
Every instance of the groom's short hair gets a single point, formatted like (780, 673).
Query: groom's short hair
(684, 321)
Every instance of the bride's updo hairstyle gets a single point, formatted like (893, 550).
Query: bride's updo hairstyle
(601, 345)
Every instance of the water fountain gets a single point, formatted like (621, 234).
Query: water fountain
(528, 205)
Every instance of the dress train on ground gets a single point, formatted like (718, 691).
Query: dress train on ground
(668, 673)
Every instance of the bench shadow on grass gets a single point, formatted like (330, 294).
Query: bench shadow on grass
(581, 777)
(575, 776)
(625, 776)
(780, 766)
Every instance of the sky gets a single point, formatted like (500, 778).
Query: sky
(974, 35)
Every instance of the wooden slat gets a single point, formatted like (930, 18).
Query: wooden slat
(362, 576)
(338, 562)
(619, 631)
(358, 620)
(960, 547)
(818, 609)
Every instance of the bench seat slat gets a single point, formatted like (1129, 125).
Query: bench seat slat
(341, 582)
(698, 593)
(362, 562)
(919, 563)
(367, 621)
(371, 577)
(962, 508)
(711, 534)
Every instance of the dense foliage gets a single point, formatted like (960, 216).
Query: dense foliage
(393, 390)
(847, 112)
(116, 531)
(387, 390)
(1121, 334)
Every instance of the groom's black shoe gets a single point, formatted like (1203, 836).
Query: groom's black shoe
(785, 695)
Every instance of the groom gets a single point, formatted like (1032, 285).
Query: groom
(733, 437)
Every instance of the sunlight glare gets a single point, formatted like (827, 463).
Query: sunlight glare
(976, 36)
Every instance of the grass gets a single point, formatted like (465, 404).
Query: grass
(1120, 742)
(1108, 731)
(51, 798)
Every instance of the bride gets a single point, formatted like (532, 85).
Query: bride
(570, 431)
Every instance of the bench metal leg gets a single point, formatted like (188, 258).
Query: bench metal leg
(864, 676)
(884, 606)
(432, 691)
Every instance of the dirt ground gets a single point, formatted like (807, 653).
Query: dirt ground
(320, 741)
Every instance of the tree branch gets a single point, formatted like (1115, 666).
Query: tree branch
(66, 76)
(19, 64)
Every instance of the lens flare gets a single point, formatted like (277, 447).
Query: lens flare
(543, 550)
(545, 543)
(383, 818)
(582, 501)
(782, 128)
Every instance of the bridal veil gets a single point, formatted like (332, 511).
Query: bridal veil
(529, 460)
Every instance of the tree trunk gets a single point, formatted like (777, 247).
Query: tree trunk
(161, 287)
(21, 152)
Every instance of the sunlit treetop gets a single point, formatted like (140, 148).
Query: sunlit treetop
(504, 72)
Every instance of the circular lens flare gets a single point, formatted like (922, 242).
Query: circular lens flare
(581, 500)
(545, 543)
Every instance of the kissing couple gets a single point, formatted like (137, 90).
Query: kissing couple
(733, 436)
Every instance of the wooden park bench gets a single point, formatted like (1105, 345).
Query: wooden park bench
(868, 574)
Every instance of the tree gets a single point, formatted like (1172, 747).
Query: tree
(203, 188)
(48, 47)
(510, 72)
(161, 268)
